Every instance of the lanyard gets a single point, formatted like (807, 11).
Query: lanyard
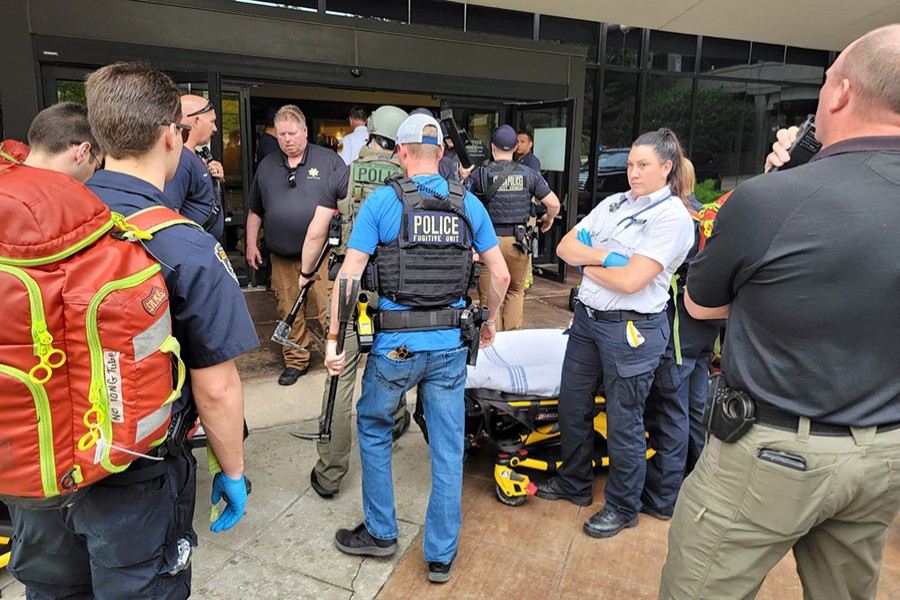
(633, 219)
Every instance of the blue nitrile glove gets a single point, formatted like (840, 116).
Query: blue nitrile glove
(584, 236)
(235, 494)
(614, 259)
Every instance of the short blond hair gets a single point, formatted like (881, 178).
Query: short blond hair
(873, 62)
(425, 151)
(290, 112)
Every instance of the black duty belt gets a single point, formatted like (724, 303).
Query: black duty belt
(418, 320)
(617, 316)
(506, 230)
(769, 415)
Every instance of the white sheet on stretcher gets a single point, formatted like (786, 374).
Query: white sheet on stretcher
(525, 362)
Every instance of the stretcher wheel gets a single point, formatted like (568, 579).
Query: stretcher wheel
(507, 500)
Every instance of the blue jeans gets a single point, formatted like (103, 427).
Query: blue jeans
(601, 346)
(441, 377)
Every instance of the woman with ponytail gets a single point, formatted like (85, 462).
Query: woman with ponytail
(628, 248)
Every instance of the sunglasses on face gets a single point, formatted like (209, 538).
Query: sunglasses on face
(185, 130)
(91, 152)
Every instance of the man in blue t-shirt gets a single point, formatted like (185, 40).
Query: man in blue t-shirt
(434, 360)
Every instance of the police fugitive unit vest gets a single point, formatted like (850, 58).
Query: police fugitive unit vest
(367, 173)
(430, 262)
(511, 204)
(86, 349)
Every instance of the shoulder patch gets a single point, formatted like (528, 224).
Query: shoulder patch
(223, 258)
(154, 300)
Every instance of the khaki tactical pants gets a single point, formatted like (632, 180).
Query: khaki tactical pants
(285, 275)
(738, 515)
(334, 457)
(518, 263)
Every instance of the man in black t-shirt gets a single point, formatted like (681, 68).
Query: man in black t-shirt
(804, 264)
(285, 192)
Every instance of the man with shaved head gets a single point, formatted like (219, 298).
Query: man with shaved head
(803, 263)
(192, 191)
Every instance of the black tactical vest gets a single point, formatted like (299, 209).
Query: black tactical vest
(511, 204)
(430, 262)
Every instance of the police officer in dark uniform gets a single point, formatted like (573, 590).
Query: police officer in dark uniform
(130, 535)
(192, 191)
(507, 187)
(620, 328)
(421, 231)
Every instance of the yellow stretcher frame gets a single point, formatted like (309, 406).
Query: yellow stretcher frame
(4, 547)
(512, 487)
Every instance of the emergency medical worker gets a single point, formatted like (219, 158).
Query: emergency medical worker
(803, 262)
(346, 192)
(620, 328)
(191, 191)
(668, 414)
(506, 187)
(130, 535)
(412, 228)
(288, 187)
(60, 139)
(357, 138)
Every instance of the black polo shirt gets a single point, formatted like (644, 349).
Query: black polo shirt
(286, 211)
(809, 260)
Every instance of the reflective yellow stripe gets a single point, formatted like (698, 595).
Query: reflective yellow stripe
(675, 333)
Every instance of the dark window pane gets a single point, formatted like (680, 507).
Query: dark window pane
(766, 61)
(617, 110)
(70, 91)
(585, 202)
(805, 65)
(723, 57)
(672, 52)
(724, 122)
(387, 10)
(667, 103)
(499, 21)
(438, 13)
(623, 47)
(572, 31)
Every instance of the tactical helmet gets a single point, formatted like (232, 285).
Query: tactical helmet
(385, 121)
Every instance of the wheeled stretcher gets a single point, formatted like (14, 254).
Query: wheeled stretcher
(512, 406)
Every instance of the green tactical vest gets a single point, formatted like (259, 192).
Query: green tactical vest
(368, 173)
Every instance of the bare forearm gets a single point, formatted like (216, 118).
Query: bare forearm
(705, 312)
(552, 204)
(254, 222)
(312, 248)
(220, 403)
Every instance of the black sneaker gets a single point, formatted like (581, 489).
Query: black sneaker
(439, 572)
(290, 375)
(607, 523)
(656, 513)
(321, 491)
(361, 543)
(552, 490)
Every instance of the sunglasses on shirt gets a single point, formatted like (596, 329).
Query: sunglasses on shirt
(292, 177)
